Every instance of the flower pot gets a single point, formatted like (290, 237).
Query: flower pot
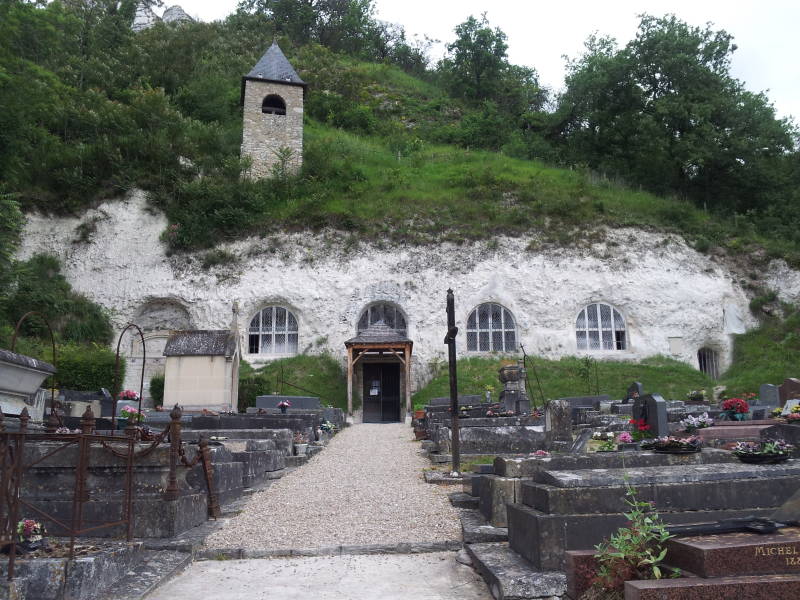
(300, 449)
(284, 409)
(626, 446)
(762, 459)
(676, 450)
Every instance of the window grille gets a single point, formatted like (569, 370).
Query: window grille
(491, 328)
(708, 361)
(600, 327)
(273, 331)
(383, 311)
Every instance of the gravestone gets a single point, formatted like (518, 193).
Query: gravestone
(462, 400)
(580, 443)
(769, 395)
(635, 390)
(790, 404)
(558, 421)
(513, 395)
(301, 402)
(653, 409)
(789, 389)
(584, 402)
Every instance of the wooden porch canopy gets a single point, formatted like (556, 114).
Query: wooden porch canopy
(378, 340)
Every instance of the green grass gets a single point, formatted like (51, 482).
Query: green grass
(319, 375)
(567, 377)
(767, 354)
(399, 189)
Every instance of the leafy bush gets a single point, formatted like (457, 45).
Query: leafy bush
(634, 552)
(41, 287)
(157, 389)
(88, 367)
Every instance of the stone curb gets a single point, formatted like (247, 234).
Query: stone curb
(402, 548)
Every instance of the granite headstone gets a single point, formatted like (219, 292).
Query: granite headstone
(769, 395)
(789, 389)
(635, 390)
(653, 409)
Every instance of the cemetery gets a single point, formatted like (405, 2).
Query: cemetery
(184, 444)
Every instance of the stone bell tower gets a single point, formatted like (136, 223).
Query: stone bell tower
(272, 101)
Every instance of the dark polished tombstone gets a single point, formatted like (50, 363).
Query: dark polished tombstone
(789, 390)
(635, 390)
(653, 409)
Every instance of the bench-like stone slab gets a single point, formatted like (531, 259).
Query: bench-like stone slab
(529, 467)
(701, 495)
(734, 554)
(667, 474)
(753, 587)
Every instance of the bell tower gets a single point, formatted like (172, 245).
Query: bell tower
(272, 100)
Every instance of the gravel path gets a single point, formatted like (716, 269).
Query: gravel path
(365, 487)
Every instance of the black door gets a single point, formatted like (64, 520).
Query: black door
(381, 392)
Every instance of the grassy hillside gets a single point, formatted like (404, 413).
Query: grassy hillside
(572, 376)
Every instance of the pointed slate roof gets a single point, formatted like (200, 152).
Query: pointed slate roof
(378, 333)
(274, 66)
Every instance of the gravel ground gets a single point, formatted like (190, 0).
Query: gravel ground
(366, 487)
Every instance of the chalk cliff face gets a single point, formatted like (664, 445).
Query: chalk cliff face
(673, 299)
(146, 18)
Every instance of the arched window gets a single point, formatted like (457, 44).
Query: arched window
(273, 105)
(491, 328)
(390, 314)
(708, 362)
(273, 331)
(600, 327)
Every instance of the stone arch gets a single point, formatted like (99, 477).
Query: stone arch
(383, 310)
(708, 361)
(273, 104)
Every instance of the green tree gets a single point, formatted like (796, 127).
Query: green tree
(476, 60)
(664, 112)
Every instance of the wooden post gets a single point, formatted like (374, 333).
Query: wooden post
(172, 492)
(350, 382)
(407, 354)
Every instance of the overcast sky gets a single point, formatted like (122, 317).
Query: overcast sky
(540, 33)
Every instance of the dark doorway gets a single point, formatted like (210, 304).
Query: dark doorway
(381, 392)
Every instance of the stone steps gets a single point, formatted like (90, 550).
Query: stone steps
(462, 500)
(511, 577)
(475, 529)
(156, 568)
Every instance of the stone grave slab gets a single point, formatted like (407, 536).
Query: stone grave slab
(789, 389)
(668, 474)
(298, 402)
(737, 553)
(753, 587)
(769, 395)
(462, 400)
(587, 402)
